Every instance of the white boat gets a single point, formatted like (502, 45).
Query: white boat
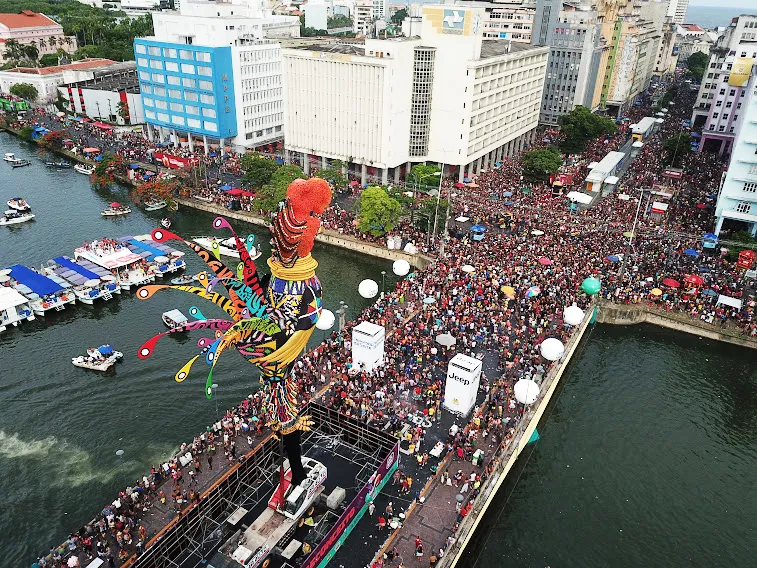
(14, 308)
(100, 359)
(226, 247)
(19, 204)
(13, 217)
(82, 169)
(115, 210)
(45, 294)
(10, 157)
(161, 258)
(165, 222)
(155, 205)
(184, 280)
(86, 285)
(173, 318)
(130, 269)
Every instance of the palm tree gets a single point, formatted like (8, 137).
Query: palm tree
(30, 50)
(66, 40)
(43, 43)
(12, 49)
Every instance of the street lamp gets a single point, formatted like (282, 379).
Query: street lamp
(438, 198)
(342, 311)
(622, 268)
(383, 275)
(417, 183)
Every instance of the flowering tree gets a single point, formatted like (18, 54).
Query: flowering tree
(107, 170)
(155, 190)
(53, 140)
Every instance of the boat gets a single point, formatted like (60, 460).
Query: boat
(82, 169)
(100, 359)
(105, 276)
(87, 286)
(165, 222)
(44, 294)
(174, 318)
(13, 217)
(161, 258)
(19, 204)
(226, 247)
(14, 308)
(183, 280)
(155, 205)
(129, 269)
(115, 210)
(61, 165)
(11, 158)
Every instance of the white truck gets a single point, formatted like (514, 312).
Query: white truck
(277, 521)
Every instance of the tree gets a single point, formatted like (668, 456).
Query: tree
(13, 49)
(399, 16)
(257, 169)
(425, 177)
(377, 212)
(122, 109)
(48, 60)
(428, 211)
(541, 163)
(335, 177)
(580, 126)
(25, 91)
(697, 64)
(25, 133)
(676, 148)
(31, 51)
(339, 22)
(269, 196)
(54, 139)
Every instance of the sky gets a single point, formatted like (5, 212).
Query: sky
(729, 3)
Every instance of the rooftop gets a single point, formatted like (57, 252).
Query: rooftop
(119, 77)
(495, 48)
(345, 49)
(75, 66)
(26, 19)
(692, 28)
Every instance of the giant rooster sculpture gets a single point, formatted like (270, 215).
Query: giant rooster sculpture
(272, 317)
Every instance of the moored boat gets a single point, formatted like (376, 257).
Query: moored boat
(155, 205)
(173, 318)
(115, 210)
(43, 293)
(88, 286)
(14, 161)
(19, 204)
(61, 165)
(130, 269)
(14, 308)
(82, 169)
(13, 217)
(184, 280)
(162, 258)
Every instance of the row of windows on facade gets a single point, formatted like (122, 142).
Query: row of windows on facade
(262, 82)
(179, 94)
(511, 94)
(486, 86)
(181, 121)
(259, 133)
(507, 66)
(262, 108)
(186, 68)
(262, 95)
(509, 26)
(176, 80)
(494, 15)
(179, 107)
(259, 55)
(511, 36)
(187, 54)
(262, 68)
(507, 123)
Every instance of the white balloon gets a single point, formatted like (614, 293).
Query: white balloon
(526, 391)
(368, 289)
(573, 315)
(401, 267)
(326, 320)
(552, 349)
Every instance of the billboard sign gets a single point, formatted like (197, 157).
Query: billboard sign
(175, 162)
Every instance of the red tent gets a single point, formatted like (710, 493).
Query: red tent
(235, 192)
(102, 125)
(247, 194)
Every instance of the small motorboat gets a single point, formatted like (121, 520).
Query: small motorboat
(165, 222)
(13, 217)
(10, 157)
(183, 280)
(19, 204)
(100, 359)
(115, 210)
(155, 205)
(173, 318)
(226, 247)
(16, 162)
(61, 165)
(82, 169)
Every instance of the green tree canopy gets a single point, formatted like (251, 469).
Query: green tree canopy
(581, 126)
(48, 59)
(676, 148)
(275, 190)
(541, 163)
(697, 64)
(427, 212)
(25, 91)
(257, 169)
(377, 212)
(399, 16)
(334, 176)
(424, 176)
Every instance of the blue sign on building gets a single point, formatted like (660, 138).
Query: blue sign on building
(187, 87)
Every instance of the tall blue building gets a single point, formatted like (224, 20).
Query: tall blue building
(187, 89)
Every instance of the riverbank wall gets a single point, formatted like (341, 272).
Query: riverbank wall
(328, 236)
(518, 443)
(622, 314)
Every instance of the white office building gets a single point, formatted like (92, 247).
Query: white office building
(211, 74)
(441, 95)
(737, 201)
(677, 10)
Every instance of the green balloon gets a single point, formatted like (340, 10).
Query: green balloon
(591, 285)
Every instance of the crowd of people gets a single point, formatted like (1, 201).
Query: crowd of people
(534, 241)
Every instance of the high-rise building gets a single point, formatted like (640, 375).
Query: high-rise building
(722, 91)
(506, 19)
(677, 10)
(211, 74)
(737, 200)
(441, 95)
(573, 32)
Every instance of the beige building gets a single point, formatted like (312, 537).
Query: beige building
(28, 27)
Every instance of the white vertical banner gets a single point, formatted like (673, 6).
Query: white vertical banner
(368, 345)
(463, 376)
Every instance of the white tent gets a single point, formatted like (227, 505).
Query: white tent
(580, 197)
(612, 180)
(729, 301)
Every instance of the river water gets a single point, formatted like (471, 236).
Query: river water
(647, 457)
(60, 425)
